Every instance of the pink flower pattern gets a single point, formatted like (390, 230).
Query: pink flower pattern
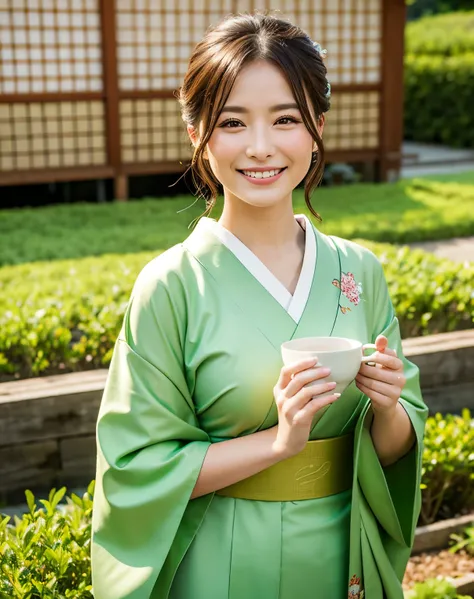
(355, 590)
(350, 288)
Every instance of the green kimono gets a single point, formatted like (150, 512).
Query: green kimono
(195, 363)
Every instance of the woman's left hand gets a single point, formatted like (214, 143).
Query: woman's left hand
(382, 383)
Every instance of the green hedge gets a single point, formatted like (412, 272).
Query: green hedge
(439, 79)
(65, 316)
(439, 94)
(444, 35)
(448, 467)
(45, 554)
(434, 588)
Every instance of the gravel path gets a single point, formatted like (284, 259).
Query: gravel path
(459, 249)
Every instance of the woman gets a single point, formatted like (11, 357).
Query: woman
(197, 400)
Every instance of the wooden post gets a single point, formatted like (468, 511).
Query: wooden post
(391, 116)
(111, 92)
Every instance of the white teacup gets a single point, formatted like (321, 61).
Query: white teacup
(342, 355)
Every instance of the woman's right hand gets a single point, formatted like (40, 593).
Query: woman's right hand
(298, 404)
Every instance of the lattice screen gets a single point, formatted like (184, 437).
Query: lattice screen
(55, 46)
(51, 135)
(50, 46)
(156, 38)
(353, 121)
(152, 130)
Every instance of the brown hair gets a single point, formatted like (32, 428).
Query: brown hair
(214, 66)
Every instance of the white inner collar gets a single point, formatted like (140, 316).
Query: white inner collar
(293, 304)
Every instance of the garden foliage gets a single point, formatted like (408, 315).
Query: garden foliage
(464, 541)
(439, 76)
(46, 553)
(448, 467)
(441, 35)
(409, 210)
(434, 589)
(65, 316)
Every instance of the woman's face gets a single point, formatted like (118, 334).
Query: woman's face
(253, 132)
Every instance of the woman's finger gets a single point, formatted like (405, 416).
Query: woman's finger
(308, 411)
(305, 396)
(381, 343)
(386, 360)
(392, 377)
(385, 389)
(287, 372)
(379, 398)
(304, 378)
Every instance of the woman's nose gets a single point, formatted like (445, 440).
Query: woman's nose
(260, 145)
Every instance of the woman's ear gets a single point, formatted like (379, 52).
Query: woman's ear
(320, 127)
(194, 140)
(192, 134)
(322, 120)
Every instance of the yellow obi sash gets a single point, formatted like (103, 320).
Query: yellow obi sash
(323, 468)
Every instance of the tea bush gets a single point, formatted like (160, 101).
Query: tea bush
(64, 316)
(444, 86)
(439, 75)
(434, 588)
(448, 467)
(449, 34)
(45, 554)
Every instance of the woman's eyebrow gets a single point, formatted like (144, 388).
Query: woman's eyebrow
(272, 108)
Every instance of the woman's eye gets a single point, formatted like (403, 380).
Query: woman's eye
(283, 118)
(227, 122)
(288, 118)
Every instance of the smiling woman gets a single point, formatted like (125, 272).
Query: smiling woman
(280, 97)
(221, 473)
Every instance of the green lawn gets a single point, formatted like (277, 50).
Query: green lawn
(410, 210)
(465, 177)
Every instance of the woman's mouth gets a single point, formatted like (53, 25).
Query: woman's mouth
(263, 178)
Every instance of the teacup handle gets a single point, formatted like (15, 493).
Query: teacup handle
(365, 347)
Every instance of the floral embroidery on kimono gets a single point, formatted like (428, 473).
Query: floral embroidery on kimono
(350, 288)
(355, 591)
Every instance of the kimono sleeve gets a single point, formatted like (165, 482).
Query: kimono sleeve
(150, 448)
(390, 499)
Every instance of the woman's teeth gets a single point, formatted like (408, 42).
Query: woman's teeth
(261, 175)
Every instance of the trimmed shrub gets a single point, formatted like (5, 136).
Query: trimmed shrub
(439, 93)
(433, 588)
(439, 77)
(448, 467)
(46, 553)
(449, 34)
(65, 316)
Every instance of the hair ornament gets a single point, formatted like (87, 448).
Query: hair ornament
(322, 52)
(319, 49)
(328, 92)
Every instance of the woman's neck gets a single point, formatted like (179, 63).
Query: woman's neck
(262, 231)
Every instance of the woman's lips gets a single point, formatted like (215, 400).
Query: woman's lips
(263, 181)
